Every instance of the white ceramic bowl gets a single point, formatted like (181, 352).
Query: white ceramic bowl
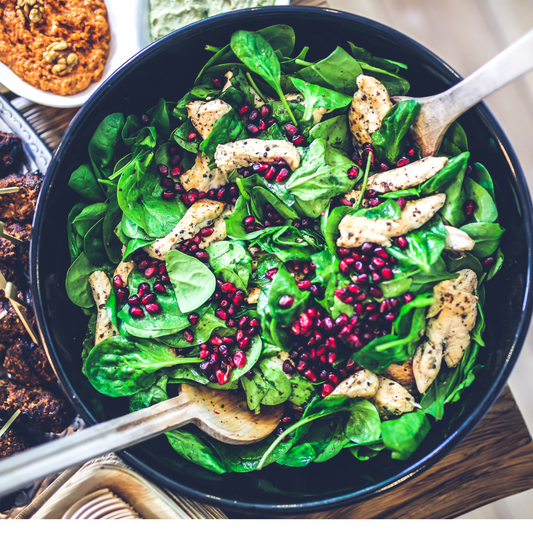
(130, 33)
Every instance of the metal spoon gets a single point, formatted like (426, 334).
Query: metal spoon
(439, 111)
(219, 413)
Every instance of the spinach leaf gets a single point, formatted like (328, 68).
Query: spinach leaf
(338, 72)
(121, 366)
(186, 374)
(112, 218)
(330, 224)
(485, 209)
(403, 435)
(486, 236)
(466, 260)
(453, 210)
(192, 281)
(102, 146)
(258, 55)
(334, 131)
(391, 140)
(484, 179)
(132, 230)
(159, 119)
(146, 398)
(336, 444)
(281, 37)
(233, 256)
(364, 424)
(77, 282)
(316, 96)
(84, 182)
(389, 209)
(498, 264)
(93, 244)
(425, 245)
(455, 141)
(280, 387)
(363, 56)
(288, 243)
(181, 136)
(395, 84)
(261, 197)
(235, 220)
(131, 129)
(197, 449)
(75, 240)
(89, 217)
(227, 128)
(246, 186)
(322, 174)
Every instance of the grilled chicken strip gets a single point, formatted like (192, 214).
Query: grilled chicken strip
(203, 178)
(399, 179)
(355, 231)
(123, 270)
(402, 374)
(201, 214)
(451, 318)
(458, 240)
(219, 230)
(370, 104)
(392, 399)
(203, 115)
(101, 288)
(362, 384)
(249, 151)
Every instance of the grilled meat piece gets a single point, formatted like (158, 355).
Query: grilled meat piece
(203, 178)
(27, 364)
(20, 206)
(101, 289)
(204, 115)
(11, 327)
(362, 384)
(40, 409)
(11, 153)
(11, 443)
(16, 254)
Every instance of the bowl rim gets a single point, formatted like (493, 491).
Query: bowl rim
(523, 200)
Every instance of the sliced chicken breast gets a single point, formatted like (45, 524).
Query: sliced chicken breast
(123, 270)
(203, 178)
(392, 399)
(355, 231)
(203, 115)
(458, 240)
(401, 373)
(246, 152)
(369, 105)
(362, 384)
(201, 214)
(101, 289)
(451, 319)
(219, 230)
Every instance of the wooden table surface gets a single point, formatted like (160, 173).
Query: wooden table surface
(494, 461)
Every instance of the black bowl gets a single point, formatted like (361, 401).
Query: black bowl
(167, 68)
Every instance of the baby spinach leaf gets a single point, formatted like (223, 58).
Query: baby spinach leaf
(131, 129)
(302, 390)
(75, 240)
(102, 146)
(453, 210)
(121, 366)
(334, 131)
(235, 220)
(280, 387)
(455, 141)
(233, 256)
(498, 264)
(363, 56)
(261, 197)
(227, 128)
(484, 179)
(289, 243)
(186, 374)
(146, 398)
(159, 119)
(258, 55)
(485, 209)
(338, 72)
(181, 136)
(133, 246)
(322, 174)
(84, 182)
(197, 449)
(336, 444)
(390, 141)
(364, 425)
(93, 244)
(281, 37)
(395, 84)
(440, 181)
(89, 217)
(192, 281)
(112, 218)
(403, 435)
(132, 230)
(486, 236)
(77, 281)
(330, 223)
(389, 209)
(316, 96)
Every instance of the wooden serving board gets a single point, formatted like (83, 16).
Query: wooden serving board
(494, 461)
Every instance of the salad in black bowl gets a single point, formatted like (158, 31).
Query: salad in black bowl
(271, 228)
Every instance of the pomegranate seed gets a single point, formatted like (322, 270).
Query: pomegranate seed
(408, 297)
(344, 266)
(192, 196)
(167, 183)
(306, 324)
(271, 273)
(252, 128)
(232, 310)
(286, 301)
(310, 374)
(254, 115)
(383, 167)
(302, 365)
(264, 111)
(271, 172)
(248, 221)
(254, 322)
(206, 232)
(169, 194)
(150, 272)
(402, 202)
(402, 243)
(239, 359)
(394, 302)
(204, 353)
(291, 129)
(327, 389)
(143, 265)
(220, 313)
(216, 340)
(376, 292)
(177, 171)
(193, 318)
(340, 293)
(238, 299)
(222, 378)
(260, 167)
(262, 125)
(469, 207)
(296, 328)
(374, 202)
(343, 251)
(228, 288)
(218, 82)
(122, 295)
(134, 300)
(387, 274)
(148, 298)
(304, 285)
(117, 282)
(187, 334)
(411, 152)
(488, 261)
(243, 321)
(378, 262)
(239, 335)
(384, 307)
(341, 320)
(153, 308)
(283, 174)
(245, 109)
(353, 172)
(346, 202)
(136, 312)
(402, 162)
(244, 343)
(298, 140)
(389, 317)
(376, 278)
(224, 304)
(202, 255)
(228, 340)
(332, 357)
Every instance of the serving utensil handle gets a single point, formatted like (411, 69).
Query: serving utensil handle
(513, 62)
(20, 470)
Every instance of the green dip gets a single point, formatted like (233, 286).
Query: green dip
(169, 15)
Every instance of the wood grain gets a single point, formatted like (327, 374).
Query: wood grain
(495, 461)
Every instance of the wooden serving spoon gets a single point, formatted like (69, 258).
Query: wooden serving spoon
(222, 414)
(439, 111)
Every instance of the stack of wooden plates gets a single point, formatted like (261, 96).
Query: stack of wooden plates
(101, 504)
